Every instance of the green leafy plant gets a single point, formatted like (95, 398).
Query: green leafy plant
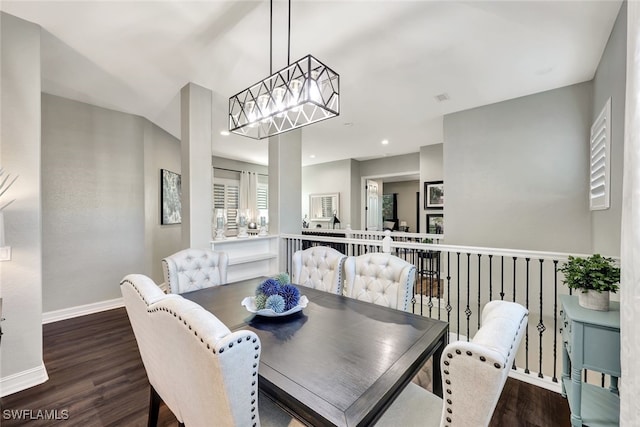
(596, 273)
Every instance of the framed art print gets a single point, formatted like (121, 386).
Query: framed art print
(434, 195)
(171, 194)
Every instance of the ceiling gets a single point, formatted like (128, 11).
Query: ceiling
(394, 57)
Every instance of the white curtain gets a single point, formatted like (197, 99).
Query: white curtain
(630, 250)
(249, 194)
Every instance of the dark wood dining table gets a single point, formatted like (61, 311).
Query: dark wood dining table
(339, 361)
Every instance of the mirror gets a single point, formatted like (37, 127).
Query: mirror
(323, 206)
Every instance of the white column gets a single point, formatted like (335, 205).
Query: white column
(196, 116)
(21, 364)
(630, 247)
(285, 185)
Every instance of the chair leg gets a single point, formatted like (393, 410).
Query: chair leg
(154, 407)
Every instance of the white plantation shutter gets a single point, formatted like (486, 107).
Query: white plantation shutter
(600, 159)
(263, 196)
(225, 196)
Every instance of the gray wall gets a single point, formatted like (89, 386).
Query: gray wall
(406, 200)
(330, 177)
(21, 278)
(101, 174)
(516, 173)
(161, 151)
(609, 81)
(356, 202)
(431, 169)
(390, 165)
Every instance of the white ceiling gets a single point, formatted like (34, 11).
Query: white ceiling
(393, 58)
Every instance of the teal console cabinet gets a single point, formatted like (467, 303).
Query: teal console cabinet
(590, 340)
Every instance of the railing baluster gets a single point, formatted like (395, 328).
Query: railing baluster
(458, 305)
(479, 288)
(541, 327)
(502, 277)
(514, 278)
(467, 312)
(490, 278)
(526, 331)
(555, 320)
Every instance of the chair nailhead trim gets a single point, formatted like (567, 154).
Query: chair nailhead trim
(449, 401)
(449, 410)
(446, 372)
(446, 362)
(449, 355)
(448, 419)
(448, 391)
(497, 365)
(469, 353)
(447, 381)
(482, 358)
(458, 352)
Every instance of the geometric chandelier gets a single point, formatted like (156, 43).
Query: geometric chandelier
(300, 94)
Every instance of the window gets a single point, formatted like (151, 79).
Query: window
(225, 196)
(263, 192)
(600, 159)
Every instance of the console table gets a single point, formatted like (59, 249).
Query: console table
(591, 340)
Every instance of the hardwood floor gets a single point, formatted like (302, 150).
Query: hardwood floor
(96, 378)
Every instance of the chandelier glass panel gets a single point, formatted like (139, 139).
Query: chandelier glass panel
(302, 93)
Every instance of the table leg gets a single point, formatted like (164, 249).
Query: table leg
(566, 366)
(576, 396)
(436, 380)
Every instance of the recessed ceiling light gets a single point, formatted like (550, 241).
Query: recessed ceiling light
(348, 123)
(224, 132)
(385, 142)
(313, 156)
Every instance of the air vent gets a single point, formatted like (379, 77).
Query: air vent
(442, 97)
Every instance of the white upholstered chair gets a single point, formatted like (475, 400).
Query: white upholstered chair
(380, 278)
(319, 267)
(192, 269)
(473, 375)
(205, 374)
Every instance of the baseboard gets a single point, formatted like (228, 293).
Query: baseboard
(81, 310)
(532, 378)
(23, 380)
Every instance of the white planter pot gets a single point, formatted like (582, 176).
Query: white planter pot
(594, 300)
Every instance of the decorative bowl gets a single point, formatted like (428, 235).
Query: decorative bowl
(250, 304)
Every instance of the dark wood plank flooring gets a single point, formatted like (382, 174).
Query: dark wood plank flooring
(96, 378)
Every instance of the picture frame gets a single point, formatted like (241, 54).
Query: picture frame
(435, 223)
(171, 197)
(434, 195)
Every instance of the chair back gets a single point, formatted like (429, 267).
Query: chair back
(380, 278)
(319, 267)
(139, 292)
(193, 269)
(206, 374)
(474, 373)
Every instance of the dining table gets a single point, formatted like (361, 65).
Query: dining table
(337, 362)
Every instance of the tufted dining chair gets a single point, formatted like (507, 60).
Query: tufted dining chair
(319, 267)
(193, 269)
(205, 374)
(380, 278)
(473, 375)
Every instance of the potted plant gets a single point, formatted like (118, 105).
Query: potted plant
(595, 277)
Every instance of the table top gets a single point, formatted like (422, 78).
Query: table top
(339, 361)
(609, 319)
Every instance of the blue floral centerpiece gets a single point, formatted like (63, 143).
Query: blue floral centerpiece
(276, 296)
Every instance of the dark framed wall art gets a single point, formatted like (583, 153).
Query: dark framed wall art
(171, 197)
(435, 223)
(434, 195)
